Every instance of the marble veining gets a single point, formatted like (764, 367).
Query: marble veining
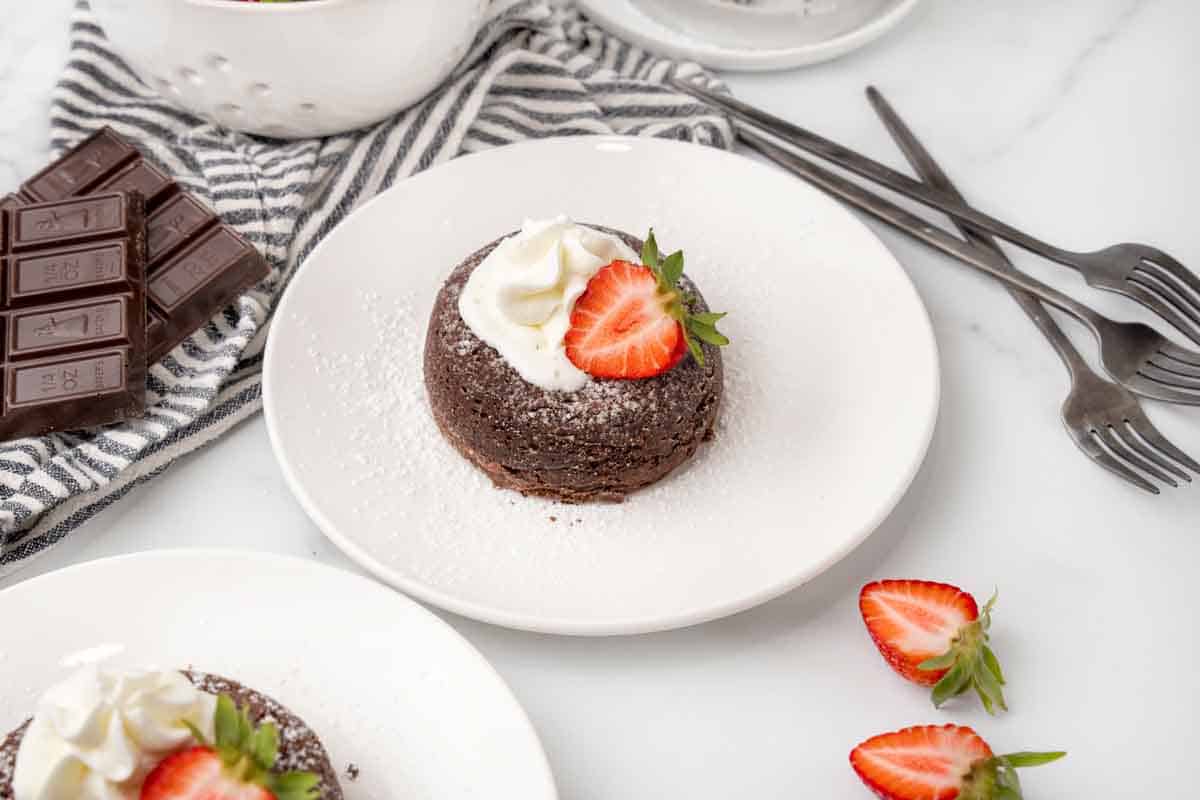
(1076, 70)
(1075, 119)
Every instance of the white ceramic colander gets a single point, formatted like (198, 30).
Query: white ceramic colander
(292, 69)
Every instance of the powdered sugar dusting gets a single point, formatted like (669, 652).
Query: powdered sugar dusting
(830, 387)
(406, 479)
(422, 511)
(599, 404)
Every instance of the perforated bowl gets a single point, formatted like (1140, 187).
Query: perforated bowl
(292, 70)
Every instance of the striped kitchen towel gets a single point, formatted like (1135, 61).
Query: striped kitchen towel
(536, 69)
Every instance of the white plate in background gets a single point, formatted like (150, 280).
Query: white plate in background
(385, 684)
(625, 19)
(831, 393)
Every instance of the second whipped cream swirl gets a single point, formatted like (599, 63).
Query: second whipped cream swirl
(520, 298)
(97, 734)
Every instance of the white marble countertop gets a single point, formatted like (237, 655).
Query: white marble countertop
(1075, 119)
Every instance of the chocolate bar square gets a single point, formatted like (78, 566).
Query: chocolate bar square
(196, 264)
(72, 313)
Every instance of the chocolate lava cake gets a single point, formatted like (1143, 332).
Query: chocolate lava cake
(299, 747)
(600, 442)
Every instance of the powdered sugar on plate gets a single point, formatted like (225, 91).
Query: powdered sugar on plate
(829, 400)
(404, 478)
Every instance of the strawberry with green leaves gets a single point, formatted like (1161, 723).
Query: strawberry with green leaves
(238, 765)
(633, 320)
(947, 762)
(935, 635)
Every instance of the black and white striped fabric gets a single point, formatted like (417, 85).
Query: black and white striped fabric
(536, 69)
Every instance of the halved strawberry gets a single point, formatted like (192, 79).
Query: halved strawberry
(620, 328)
(632, 321)
(947, 762)
(237, 766)
(934, 634)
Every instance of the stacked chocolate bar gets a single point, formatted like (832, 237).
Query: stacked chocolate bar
(105, 265)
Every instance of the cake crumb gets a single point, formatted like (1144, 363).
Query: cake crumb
(352, 771)
(552, 519)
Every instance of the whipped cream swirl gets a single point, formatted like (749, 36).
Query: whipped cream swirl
(96, 735)
(520, 298)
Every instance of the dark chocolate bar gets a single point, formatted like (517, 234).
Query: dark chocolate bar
(72, 313)
(196, 264)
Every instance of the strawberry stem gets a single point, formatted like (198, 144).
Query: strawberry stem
(698, 329)
(248, 753)
(996, 778)
(970, 664)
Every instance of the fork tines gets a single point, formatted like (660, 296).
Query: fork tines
(1168, 288)
(1134, 449)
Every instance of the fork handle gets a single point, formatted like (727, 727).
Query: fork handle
(909, 223)
(879, 173)
(934, 176)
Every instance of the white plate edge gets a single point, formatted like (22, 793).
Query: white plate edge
(749, 60)
(173, 553)
(571, 627)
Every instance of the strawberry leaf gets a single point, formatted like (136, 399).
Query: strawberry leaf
(1028, 759)
(695, 349)
(988, 606)
(988, 687)
(650, 251)
(295, 786)
(952, 684)
(227, 723)
(245, 732)
(672, 268)
(985, 701)
(944, 661)
(993, 664)
(710, 317)
(264, 746)
(706, 333)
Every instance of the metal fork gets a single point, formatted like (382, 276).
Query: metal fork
(1137, 271)
(1135, 355)
(1102, 417)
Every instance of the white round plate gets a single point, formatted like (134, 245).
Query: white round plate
(831, 393)
(387, 686)
(626, 20)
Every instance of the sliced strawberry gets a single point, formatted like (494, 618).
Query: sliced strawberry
(620, 327)
(947, 762)
(934, 634)
(921, 763)
(914, 621)
(239, 765)
(633, 321)
(197, 774)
